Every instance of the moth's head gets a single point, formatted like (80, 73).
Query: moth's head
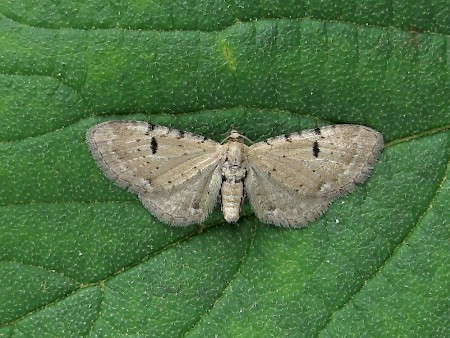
(235, 136)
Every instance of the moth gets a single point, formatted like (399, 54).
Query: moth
(289, 180)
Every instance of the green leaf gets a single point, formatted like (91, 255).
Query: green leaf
(82, 257)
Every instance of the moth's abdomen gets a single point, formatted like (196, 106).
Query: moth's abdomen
(232, 194)
(233, 174)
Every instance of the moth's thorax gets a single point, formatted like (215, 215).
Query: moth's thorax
(233, 174)
(235, 152)
(234, 167)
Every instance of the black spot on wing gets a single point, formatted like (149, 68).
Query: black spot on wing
(316, 149)
(287, 138)
(317, 131)
(154, 145)
(150, 127)
(271, 207)
(178, 133)
(196, 204)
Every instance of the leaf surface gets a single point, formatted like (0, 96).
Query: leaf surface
(82, 257)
